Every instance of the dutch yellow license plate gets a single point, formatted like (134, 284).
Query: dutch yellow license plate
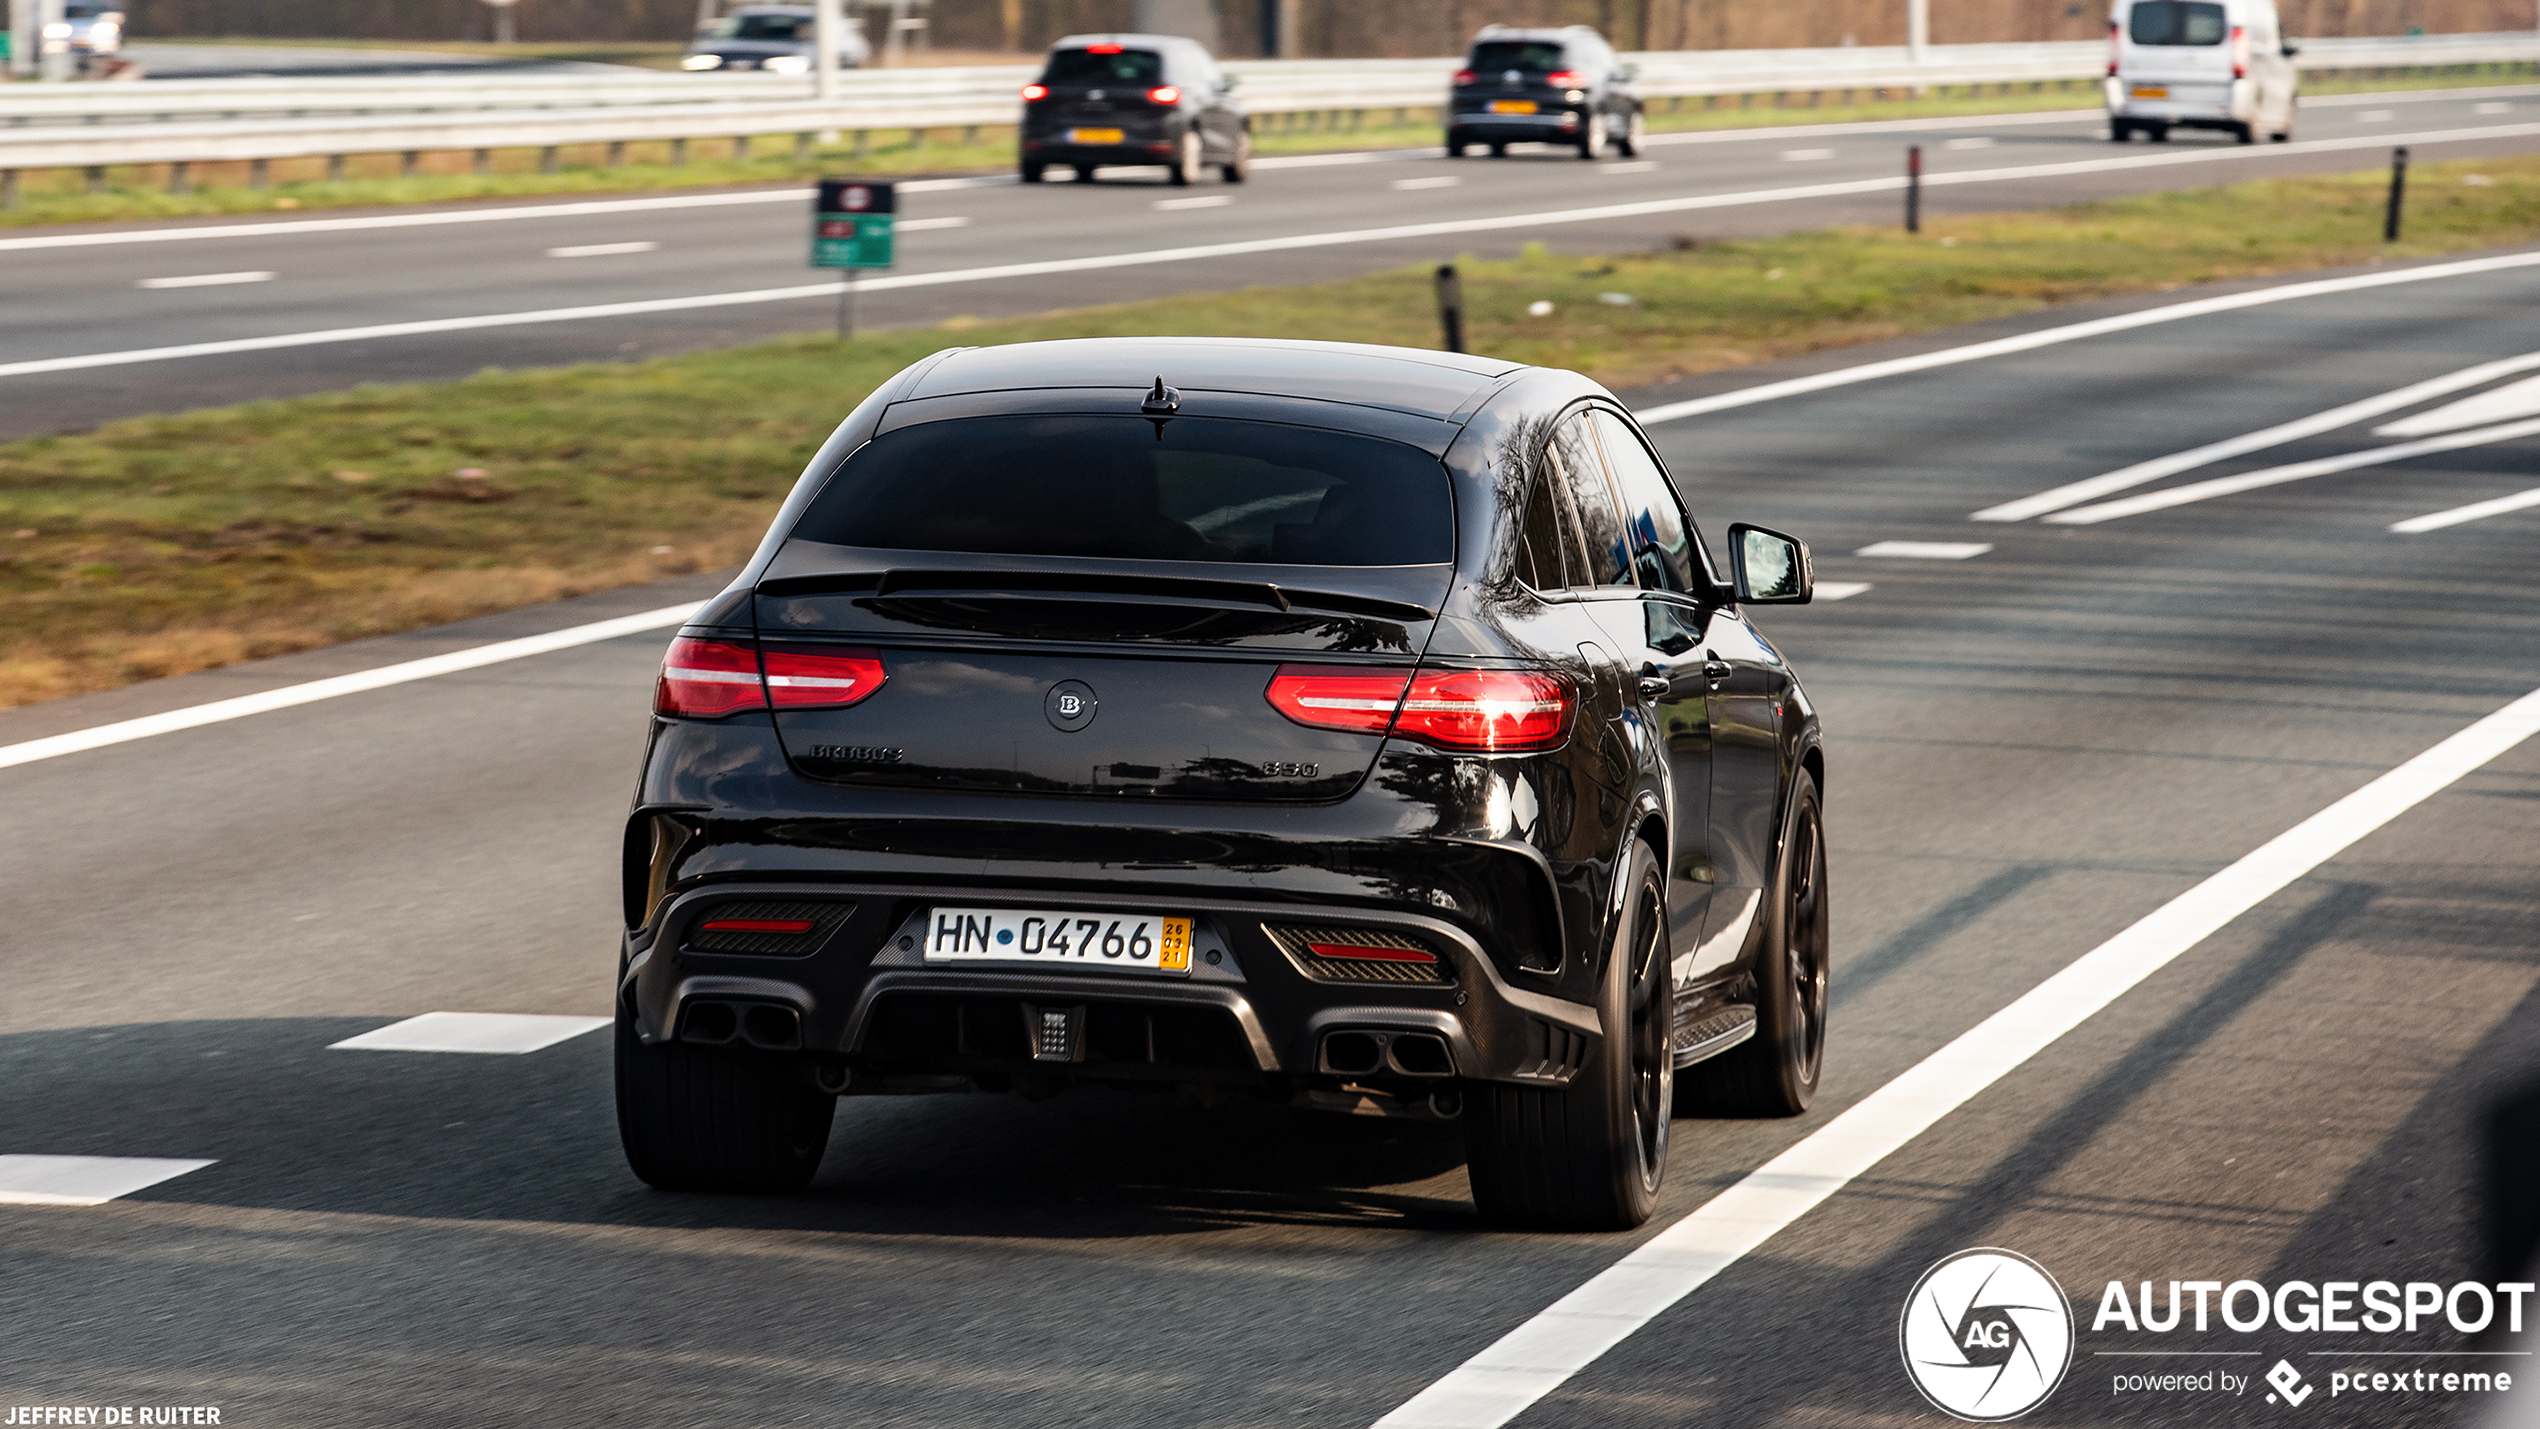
(1512, 106)
(1138, 942)
(2151, 91)
(1095, 136)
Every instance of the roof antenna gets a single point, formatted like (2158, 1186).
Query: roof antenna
(1160, 406)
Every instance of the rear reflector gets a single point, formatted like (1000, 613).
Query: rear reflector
(1328, 954)
(1485, 711)
(1352, 951)
(756, 925)
(765, 927)
(708, 679)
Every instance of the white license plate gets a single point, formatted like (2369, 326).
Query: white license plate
(1114, 942)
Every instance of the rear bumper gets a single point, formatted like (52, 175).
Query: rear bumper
(2189, 104)
(1562, 124)
(1051, 151)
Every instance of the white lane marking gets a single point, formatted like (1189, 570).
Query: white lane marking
(123, 731)
(1095, 262)
(2075, 493)
(83, 1180)
(1925, 550)
(1530, 1361)
(2475, 511)
(601, 250)
(208, 280)
(484, 1032)
(1979, 142)
(921, 225)
(2071, 332)
(1434, 181)
(1804, 156)
(1840, 590)
(2375, 116)
(2279, 475)
(2492, 109)
(436, 217)
(1628, 166)
(2514, 399)
(1170, 205)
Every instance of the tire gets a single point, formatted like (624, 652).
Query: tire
(1241, 168)
(1499, 151)
(1187, 162)
(1032, 173)
(1084, 173)
(2281, 136)
(1592, 138)
(709, 1119)
(1590, 1156)
(1776, 1072)
(1455, 145)
(2160, 133)
(2245, 133)
(2119, 131)
(1629, 142)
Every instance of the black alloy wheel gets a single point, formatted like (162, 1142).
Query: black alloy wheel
(1241, 168)
(1031, 172)
(1591, 1155)
(1592, 135)
(1776, 1072)
(2119, 131)
(1187, 160)
(1455, 143)
(1634, 137)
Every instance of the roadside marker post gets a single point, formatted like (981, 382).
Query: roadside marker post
(851, 228)
(1913, 188)
(1451, 306)
(2398, 195)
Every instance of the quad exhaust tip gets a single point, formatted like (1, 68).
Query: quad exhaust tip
(1354, 1052)
(768, 1026)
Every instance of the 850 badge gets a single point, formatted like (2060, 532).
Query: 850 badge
(1986, 1335)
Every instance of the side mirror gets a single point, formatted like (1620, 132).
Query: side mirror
(2291, 49)
(1770, 568)
(1226, 83)
(1628, 73)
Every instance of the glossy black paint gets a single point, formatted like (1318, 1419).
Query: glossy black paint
(1187, 793)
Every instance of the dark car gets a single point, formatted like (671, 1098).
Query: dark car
(1338, 726)
(1562, 87)
(1134, 99)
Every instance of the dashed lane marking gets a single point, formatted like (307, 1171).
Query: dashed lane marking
(208, 280)
(2475, 511)
(1434, 181)
(1840, 590)
(1176, 205)
(1925, 550)
(481, 1032)
(2295, 471)
(602, 250)
(83, 1180)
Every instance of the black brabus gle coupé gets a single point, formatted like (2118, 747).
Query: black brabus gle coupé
(1344, 726)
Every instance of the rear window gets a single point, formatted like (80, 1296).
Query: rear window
(2176, 22)
(1532, 56)
(760, 27)
(1099, 67)
(1130, 488)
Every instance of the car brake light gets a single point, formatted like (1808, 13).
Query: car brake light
(1036, 91)
(1566, 79)
(2239, 52)
(1102, 49)
(1353, 952)
(1164, 94)
(1486, 711)
(1465, 76)
(801, 677)
(2116, 32)
(708, 679)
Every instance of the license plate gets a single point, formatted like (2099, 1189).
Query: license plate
(1133, 942)
(1095, 136)
(1512, 106)
(2151, 91)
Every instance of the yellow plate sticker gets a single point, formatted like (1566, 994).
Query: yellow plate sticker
(1095, 136)
(1512, 106)
(1173, 945)
(2151, 91)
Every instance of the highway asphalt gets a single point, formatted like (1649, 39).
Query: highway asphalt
(2030, 748)
(76, 296)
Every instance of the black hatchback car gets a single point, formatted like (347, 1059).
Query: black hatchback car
(1133, 100)
(1341, 726)
(1565, 87)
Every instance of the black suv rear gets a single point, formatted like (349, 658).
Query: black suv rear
(1562, 87)
(1344, 727)
(1136, 100)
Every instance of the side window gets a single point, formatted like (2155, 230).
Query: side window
(1662, 547)
(1540, 540)
(1607, 545)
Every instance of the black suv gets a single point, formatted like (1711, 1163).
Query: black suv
(1562, 87)
(1134, 99)
(1346, 727)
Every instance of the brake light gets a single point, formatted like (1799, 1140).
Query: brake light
(1484, 711)
(1566, 79)
(2116, 33)
(2239, 52)
(805, 677)
(708, 679)
(1036, 91)
(1353, 952)
(1164, 94)
(1102, 49)
(1465, 76)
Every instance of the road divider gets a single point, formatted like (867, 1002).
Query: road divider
(1540, 1355)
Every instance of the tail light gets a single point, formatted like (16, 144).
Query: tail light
(1481, 711)
(708, 679)
(1164, 94)
(1035, 91)
(1566, 79)
(1465, 76)
(2239, 52)
(2116, 33)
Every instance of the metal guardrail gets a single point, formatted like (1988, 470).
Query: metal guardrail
(325, 117)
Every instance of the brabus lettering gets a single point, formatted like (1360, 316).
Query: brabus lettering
(857, 754)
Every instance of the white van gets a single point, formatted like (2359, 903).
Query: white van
(2199, 64)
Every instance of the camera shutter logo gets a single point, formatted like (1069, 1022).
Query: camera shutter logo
(1986, 1335)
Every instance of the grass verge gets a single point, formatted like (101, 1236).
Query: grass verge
(167, 544)
(142, 191)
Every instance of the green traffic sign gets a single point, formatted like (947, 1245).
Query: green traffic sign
(852, 227)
